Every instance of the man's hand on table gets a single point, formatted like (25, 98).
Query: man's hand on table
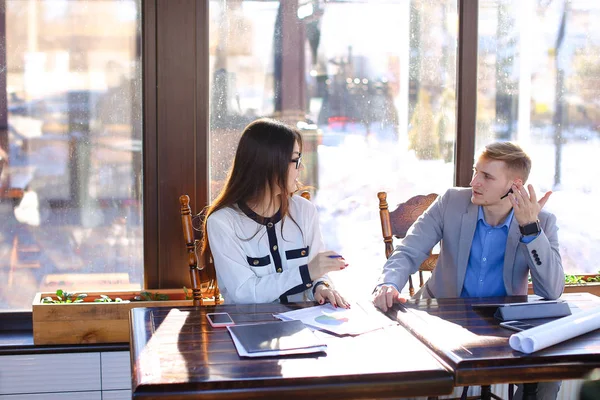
(385, 296)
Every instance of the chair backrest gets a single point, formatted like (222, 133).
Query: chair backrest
(203, 276)
(2, 162)
(305, 194)
(397, 223)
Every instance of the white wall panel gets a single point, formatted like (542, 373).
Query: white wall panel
(116, 395)
(56, 396)
(116, 370)
(46, 373)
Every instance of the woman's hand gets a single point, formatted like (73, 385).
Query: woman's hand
(325, 294)
(325, 262)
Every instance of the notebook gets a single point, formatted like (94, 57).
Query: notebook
(275, 338)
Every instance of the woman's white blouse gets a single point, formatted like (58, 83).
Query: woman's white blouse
(258, 263)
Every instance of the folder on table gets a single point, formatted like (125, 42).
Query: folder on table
(275, 338)
(528, 310)
(532, 311)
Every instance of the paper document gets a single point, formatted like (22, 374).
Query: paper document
(360, 318)
(557, 331)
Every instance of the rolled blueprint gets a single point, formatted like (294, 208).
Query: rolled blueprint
(557, 331)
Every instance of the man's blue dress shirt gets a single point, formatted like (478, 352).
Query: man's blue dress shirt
(484, 277)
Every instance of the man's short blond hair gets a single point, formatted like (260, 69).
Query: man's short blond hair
(512, 154)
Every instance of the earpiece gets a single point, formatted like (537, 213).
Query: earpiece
(507, 193)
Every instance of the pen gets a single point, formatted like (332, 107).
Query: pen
(335, 256)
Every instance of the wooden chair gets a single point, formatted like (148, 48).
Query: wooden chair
(2, 162)
(305, 194)
(397, 223)
(205, 288)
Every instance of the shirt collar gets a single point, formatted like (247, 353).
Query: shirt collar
(507, 220)
(259, 218)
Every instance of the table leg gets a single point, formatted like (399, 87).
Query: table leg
(530, 391)
(486, 392)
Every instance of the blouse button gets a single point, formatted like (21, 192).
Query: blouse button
(279, 270)
(308, 284)
(255, 262)
(303, 252)
(269, 225)
(275, 247)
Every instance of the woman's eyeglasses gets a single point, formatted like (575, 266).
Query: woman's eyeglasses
(298, 160)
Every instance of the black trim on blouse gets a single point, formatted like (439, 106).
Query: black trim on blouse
(297, 253)
(306, 284)
(258, 261)
(259, 219)
(269, 223)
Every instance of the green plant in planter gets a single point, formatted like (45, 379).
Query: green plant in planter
(573, 280)
(64, 298)
(67, 297)
(147, 296)
(105, 299)
(594, 278)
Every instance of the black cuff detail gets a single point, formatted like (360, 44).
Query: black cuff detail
(305, 275)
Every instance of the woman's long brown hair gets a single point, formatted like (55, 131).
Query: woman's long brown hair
(262, 159)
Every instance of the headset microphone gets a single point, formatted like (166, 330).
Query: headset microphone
(507, 193)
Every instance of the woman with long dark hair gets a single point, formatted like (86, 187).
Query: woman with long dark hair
(265, 241)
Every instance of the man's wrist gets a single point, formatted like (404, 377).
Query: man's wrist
(386, 284)
(530, 228)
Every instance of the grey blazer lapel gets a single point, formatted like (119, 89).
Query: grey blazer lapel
(467, 230)
(512, 242)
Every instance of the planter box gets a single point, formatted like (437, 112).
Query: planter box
(91, 322)
(589, 287)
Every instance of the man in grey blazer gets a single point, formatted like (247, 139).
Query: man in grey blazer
(492, 236)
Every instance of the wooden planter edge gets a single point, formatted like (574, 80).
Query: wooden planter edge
(589, 287)
(92, 322)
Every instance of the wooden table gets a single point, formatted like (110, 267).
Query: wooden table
(176, 354)
(474, 345)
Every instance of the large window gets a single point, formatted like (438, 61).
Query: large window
(70, 183)
(370, 84)
(538, 84)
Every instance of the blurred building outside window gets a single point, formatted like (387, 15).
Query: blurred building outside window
(70, 187)
(370, 84)
(539, 85)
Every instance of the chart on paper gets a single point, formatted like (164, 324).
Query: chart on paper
(353, 321)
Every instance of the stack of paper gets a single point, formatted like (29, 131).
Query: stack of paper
(557, 331)
(274, 339)
(360, 318)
